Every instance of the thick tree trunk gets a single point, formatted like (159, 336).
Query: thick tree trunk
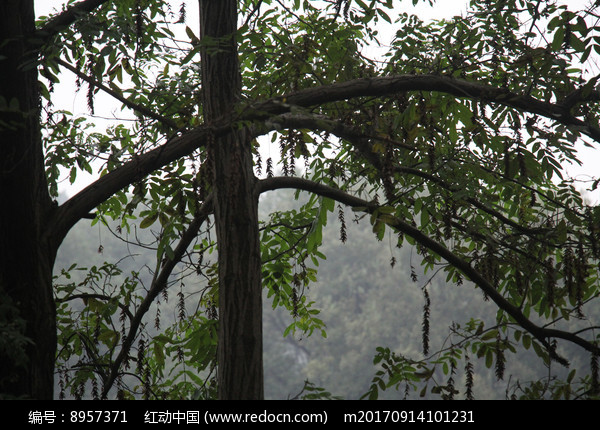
(240, 374)
(26, 300)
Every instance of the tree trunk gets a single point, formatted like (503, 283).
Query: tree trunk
(240, 374)
(26, 300)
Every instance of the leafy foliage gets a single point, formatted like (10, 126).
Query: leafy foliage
(469, 176)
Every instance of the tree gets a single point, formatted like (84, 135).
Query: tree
(453, 142)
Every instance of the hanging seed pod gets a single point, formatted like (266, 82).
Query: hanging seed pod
(425, 323)
(258, 164)
(141, 356)
(450, 385)
(95, 390)
(343, 233)
(90, 98)
(533, 199)
(469, 378)
(157, 317)
(180, 354)
(139, 20)
(500, 358)
(182, 14)
(295, 302)
(413, 274)
(181, 305)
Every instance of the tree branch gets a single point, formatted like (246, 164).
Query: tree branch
(264, 112)
(540, 333)
(362, 143)
(103, 188)
(87, 296)
(133, 106)
(158, 285)
(389, 85)
(58, 23)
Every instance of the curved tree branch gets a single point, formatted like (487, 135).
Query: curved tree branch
(542, 334)
(362, 144)
(262, 115)
(79, 206)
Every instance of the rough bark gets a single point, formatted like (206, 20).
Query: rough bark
(27, 306)
(240, 371)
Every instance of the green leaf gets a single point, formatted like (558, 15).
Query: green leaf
(379, 230)
(489, 358)
(559, 38)
(190, 33)
(149, 220)
(526, 341)
(290, 328)
(492, 334)
(159, 354)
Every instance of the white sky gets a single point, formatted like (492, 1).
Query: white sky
(76, 103)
